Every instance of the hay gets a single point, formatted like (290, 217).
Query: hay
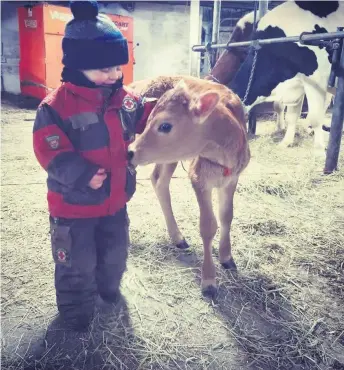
(282, 310)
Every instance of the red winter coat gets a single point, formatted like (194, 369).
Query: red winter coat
(79, 130)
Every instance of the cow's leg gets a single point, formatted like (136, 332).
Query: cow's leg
(226, 196)
(208, 227)
(316, 97)
(292, 115)
(328, 105)
(279, 109)
(161, 178)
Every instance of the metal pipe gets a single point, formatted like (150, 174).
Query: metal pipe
(2, 72)
(335, 61)
(263, 8)
(216, 28)
(252, 122)
(337, 121)
(254, 17)
(252, 117)
(301, 38)
(194, 36)
(216, 20)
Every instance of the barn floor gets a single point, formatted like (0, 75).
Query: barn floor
(284, 308)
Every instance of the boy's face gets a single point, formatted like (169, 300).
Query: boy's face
(104, 76)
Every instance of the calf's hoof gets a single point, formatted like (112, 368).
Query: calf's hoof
(182, 245)
(229, 265)
(209, 291)
(209, 288)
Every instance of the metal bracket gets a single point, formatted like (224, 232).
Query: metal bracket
(255, 45)
(208, 47)
(336, 47)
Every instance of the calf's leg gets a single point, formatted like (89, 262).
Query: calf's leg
(208, 227)
(226, 197)
(161, 178)
(316, 114)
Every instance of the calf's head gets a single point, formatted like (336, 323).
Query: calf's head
(176, 128)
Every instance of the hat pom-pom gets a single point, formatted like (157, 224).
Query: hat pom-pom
(83, 10)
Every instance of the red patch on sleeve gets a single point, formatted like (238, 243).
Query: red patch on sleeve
(48, 142)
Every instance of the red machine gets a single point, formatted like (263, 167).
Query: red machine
(41, 29)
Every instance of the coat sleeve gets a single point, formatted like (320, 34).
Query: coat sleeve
(55, 152)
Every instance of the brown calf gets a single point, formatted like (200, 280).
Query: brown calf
(204, 122)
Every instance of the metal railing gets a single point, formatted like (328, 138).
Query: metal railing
(303, 39)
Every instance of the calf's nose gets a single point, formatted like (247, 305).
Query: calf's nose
(130, 155)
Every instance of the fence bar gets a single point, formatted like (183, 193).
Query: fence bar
(333, 149)
(301, 38)
(194, 36)
(216, 28)
(263, 8)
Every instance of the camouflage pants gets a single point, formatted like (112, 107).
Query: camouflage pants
(90, 258)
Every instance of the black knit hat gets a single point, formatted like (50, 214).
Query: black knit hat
(91, 40)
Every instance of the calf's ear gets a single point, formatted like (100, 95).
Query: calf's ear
(205, 104)
(181, 85)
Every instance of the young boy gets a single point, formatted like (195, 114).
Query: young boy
(80, 137)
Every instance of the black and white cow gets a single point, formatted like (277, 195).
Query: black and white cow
(229, 63)
(290, 70)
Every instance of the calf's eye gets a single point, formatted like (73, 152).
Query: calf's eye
(165, 127)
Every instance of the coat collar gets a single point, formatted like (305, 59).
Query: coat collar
(97, 96)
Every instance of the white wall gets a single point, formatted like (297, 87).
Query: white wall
(162, 31)
(10, 48)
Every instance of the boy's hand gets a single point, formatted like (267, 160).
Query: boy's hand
(98, 179)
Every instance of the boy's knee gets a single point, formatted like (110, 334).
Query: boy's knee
(113, 245)
(118, 255)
